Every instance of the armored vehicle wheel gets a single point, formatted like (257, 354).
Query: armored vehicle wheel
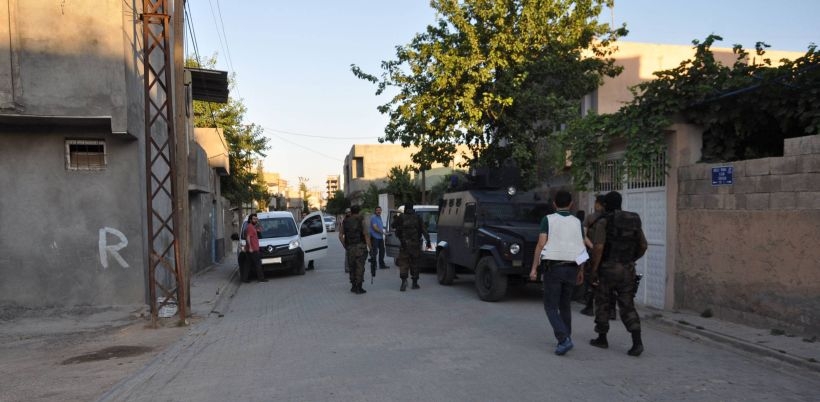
(491, 285)
(445, 271)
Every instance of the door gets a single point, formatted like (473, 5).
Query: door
(391, 241)
(313, 237)
(644, 194)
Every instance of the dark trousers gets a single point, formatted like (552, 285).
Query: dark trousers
(559, 285)
(619, 279)
(377, 246)
(252, 261)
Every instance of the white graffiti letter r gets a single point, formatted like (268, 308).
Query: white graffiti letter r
(105, 249)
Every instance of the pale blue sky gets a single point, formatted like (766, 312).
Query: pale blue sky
(292, 58)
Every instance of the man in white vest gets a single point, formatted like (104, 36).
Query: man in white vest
(559, 252)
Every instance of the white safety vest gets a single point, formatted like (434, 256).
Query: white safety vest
(564, 240)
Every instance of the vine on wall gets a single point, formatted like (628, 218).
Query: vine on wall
(746, 110)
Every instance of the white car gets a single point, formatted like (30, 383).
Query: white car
(284, 247)
(330, 223)
(429, 215)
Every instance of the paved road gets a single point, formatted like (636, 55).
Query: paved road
(307, 338)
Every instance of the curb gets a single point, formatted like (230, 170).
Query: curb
(735, 342)
(225, 292)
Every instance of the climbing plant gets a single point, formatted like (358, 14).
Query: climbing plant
(745, 110)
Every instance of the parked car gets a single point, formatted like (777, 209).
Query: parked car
(283, 246)
(429, 216)
(330, 223)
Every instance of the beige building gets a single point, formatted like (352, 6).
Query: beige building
(705, 240)
(370, 163)
(333, 182)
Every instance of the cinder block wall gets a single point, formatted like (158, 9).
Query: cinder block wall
(750, 251)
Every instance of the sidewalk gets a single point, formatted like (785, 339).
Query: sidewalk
(764, 343)
(213, 288)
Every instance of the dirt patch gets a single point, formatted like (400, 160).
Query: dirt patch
(112, 352)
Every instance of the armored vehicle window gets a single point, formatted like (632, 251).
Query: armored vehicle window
(469, 212)
(458, 202)
(451, 202)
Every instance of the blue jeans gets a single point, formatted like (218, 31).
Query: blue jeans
(559, 285)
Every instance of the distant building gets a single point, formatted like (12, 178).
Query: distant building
(370, 163)
(332, 185)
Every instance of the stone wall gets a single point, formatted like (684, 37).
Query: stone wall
(749, 250)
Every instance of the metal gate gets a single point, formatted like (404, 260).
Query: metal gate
(645, 194)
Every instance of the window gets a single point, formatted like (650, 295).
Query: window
(359, 167)
(85, 154)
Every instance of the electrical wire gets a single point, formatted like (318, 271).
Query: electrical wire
(315, 136)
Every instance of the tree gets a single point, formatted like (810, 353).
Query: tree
(401, 185)
(245, 143)
(337, 203)
(370, 198)
(494, 75)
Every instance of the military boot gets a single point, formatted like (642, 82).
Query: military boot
(637, 344)
(353, 287)
(403, 284)
(416, 284)
(359, 290)
(600, 341)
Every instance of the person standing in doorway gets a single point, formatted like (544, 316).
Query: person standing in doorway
(618, 242)
(377, 239)
(410, 229)
(560, 247)
(356, 240)
(254, 255)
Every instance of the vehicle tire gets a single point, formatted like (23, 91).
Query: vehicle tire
(491, 285)
(299, 266)
(445, 271)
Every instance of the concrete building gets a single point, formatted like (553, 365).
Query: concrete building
(73, 220)
(332, 184)
(686, 219)
(370, 163)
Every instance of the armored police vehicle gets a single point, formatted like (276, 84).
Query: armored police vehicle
(491, 232)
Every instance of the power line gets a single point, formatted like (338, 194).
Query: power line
(315, 136)
(309, 149)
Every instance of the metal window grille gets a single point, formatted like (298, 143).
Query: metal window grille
(655, 176)
(85, 155)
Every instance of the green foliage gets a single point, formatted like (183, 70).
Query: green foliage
(370, 198)
(337, 203)
(746, 110)
(401, 185)
(245, 143)
(494, 75)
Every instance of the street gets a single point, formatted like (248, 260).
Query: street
(308, 338)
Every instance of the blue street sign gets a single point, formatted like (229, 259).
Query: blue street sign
(722, 175)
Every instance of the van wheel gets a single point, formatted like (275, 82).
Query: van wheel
(299, 266)
(445, 271)
(491, 285)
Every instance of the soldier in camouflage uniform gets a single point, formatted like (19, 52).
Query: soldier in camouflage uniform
(614, 252)
(356, 240)
(410, 229)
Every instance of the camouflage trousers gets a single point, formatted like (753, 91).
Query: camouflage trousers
(408, 261)
(617, 279)
(355, 256)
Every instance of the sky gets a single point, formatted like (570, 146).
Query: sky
(291, 59)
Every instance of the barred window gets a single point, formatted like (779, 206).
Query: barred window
(85, 154)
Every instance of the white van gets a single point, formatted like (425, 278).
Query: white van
(284, 247)
(429, 216)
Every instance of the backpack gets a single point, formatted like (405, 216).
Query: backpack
(623, 235)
